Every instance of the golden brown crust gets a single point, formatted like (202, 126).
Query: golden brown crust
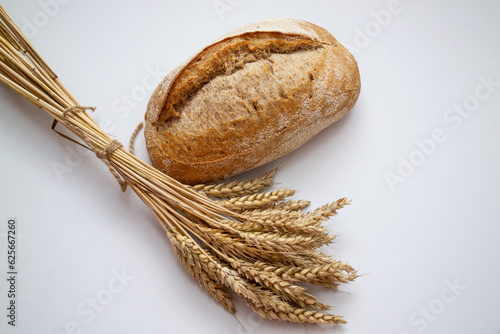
(239, 148)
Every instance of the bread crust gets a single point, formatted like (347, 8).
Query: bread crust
(330, 101)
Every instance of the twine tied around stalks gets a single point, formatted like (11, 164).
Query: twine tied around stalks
(103, 154)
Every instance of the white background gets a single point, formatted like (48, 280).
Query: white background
(438, 228)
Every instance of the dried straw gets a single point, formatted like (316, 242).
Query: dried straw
(256, 244)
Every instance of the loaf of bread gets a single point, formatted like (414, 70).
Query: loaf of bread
(248, 98)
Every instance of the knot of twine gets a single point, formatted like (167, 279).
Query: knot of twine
(104, 154)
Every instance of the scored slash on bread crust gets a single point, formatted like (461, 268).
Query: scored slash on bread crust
(251, 97)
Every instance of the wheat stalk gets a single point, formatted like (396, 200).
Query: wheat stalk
(256, 244)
